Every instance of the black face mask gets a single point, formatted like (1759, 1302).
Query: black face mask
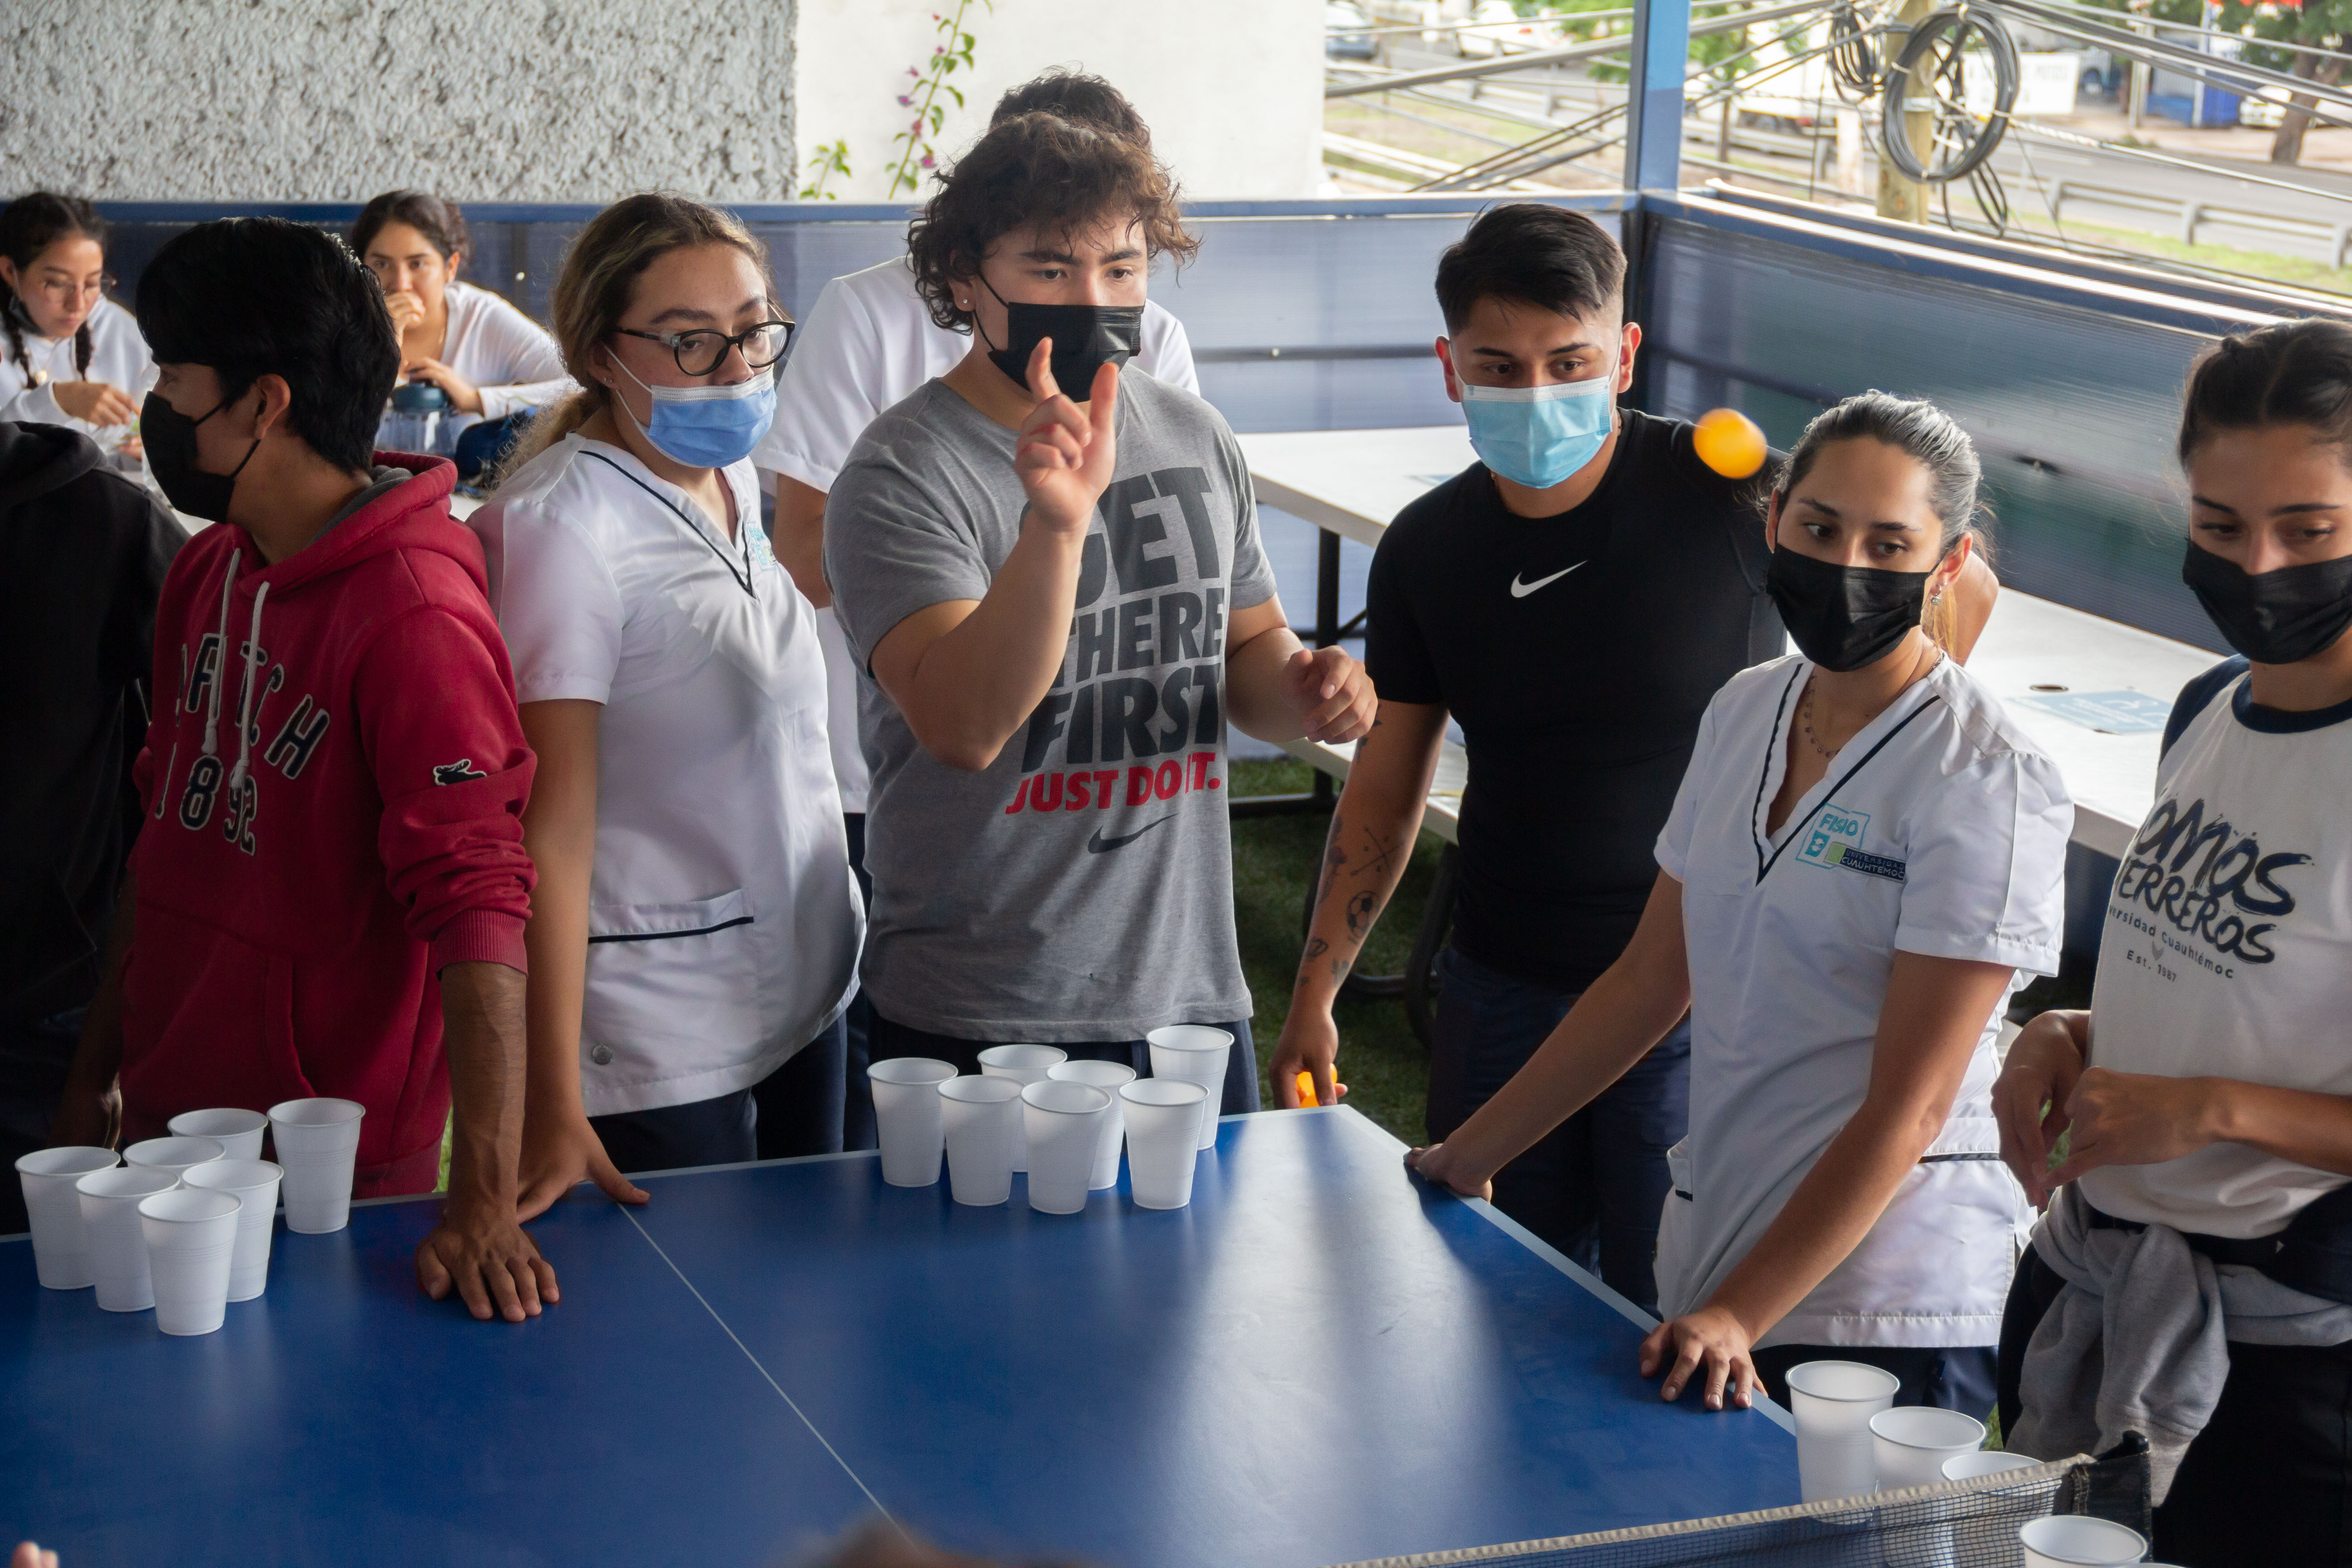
(170, 437)
(1842, 617)
(2273, 618)
(1086, 338)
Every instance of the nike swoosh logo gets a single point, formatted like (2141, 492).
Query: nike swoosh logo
(1098, 844)
(1521, 589)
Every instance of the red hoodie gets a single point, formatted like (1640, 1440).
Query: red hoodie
(302, 883)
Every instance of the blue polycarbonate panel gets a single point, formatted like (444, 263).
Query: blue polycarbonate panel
(2072, 409)
(1320, 1360)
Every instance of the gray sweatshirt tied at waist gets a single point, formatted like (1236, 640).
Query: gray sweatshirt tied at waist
(2138, 1337)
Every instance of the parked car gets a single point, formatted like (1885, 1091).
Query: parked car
(1509, 33)
(1348, 32)
(2263, 108)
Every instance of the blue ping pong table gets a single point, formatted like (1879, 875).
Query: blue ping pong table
(1321, 1359)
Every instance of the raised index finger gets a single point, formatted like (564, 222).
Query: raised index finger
(1041, 371)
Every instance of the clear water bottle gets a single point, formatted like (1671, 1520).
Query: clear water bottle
(414, 423)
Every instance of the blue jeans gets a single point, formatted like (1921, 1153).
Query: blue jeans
(796, 1110)
(1593, 1187)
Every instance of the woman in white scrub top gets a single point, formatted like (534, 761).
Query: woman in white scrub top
(1863, 857)
(694, 931)
(68, 355)
(491, 360)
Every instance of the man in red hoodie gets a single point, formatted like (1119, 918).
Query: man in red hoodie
(328, 895)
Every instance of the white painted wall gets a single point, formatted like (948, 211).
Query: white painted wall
(337, 99)
(1232, 89)
(587, 99)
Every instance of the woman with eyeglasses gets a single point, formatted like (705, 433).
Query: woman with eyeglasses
(695, 931)
(68, 355)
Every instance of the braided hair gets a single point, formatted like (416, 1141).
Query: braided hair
(29, 225)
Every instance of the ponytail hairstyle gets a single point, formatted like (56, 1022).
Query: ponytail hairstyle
(2291, 373)
(592, 294)
(1932, 438)
(29, 225)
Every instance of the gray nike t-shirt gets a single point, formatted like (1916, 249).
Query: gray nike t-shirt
(1080, 887)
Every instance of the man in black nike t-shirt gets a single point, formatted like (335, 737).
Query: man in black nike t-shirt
(1573, 601)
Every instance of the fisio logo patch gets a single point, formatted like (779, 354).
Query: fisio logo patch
(1835, 838)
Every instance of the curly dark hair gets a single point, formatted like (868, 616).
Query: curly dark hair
(1043, 170)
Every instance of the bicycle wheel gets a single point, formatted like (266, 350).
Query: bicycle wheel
(1964, 66)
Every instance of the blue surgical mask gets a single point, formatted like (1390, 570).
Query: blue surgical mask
(707, 427)
(1538, 436)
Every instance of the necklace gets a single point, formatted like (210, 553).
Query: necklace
(1933, 655)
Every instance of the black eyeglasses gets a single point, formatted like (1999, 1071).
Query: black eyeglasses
(700, 351)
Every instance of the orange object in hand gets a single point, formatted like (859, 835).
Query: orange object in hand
(1306, 1090)
(1728, 442)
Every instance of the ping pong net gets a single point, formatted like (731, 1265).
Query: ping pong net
(1958, 1524)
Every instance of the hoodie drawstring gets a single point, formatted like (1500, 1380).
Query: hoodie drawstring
(220, 663)
(246, 694)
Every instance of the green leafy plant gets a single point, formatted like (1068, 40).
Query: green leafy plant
(951, 54)
(831, 158)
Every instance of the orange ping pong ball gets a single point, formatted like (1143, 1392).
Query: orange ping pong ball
(1728, 442)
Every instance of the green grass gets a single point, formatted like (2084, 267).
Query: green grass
(2032, 223)
(1385, 1068)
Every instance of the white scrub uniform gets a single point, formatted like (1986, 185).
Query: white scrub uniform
(724, 925)
(1936, 830)
(118, 357)
(869, 343)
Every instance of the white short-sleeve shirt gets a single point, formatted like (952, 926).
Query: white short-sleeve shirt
(510, 358)
(724, 925)
(118, 357)
(2227, 949)
(1938, 830)
(869, 343)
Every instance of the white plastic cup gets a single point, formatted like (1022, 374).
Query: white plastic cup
(1111, 1077)
(1025, 1065)
(254, 1183)
(191, 1243)
(1163, 1139)
(1833, 1402)
(981, 1117)
(1987, 1462)
(317, 1143)
(60, 1250)
(1195, 1052)
(2078, 1540)
(174, 1154)
(1910, 1444)
(110, 1222)
(1065, 1122)
(238, 1133)
(907, 1108)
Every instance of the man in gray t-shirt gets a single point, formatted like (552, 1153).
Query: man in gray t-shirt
(1056, 608)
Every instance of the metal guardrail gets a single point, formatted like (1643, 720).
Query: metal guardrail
(2194, 215)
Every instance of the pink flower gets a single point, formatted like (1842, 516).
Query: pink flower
(903, 102)
(927, 161)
